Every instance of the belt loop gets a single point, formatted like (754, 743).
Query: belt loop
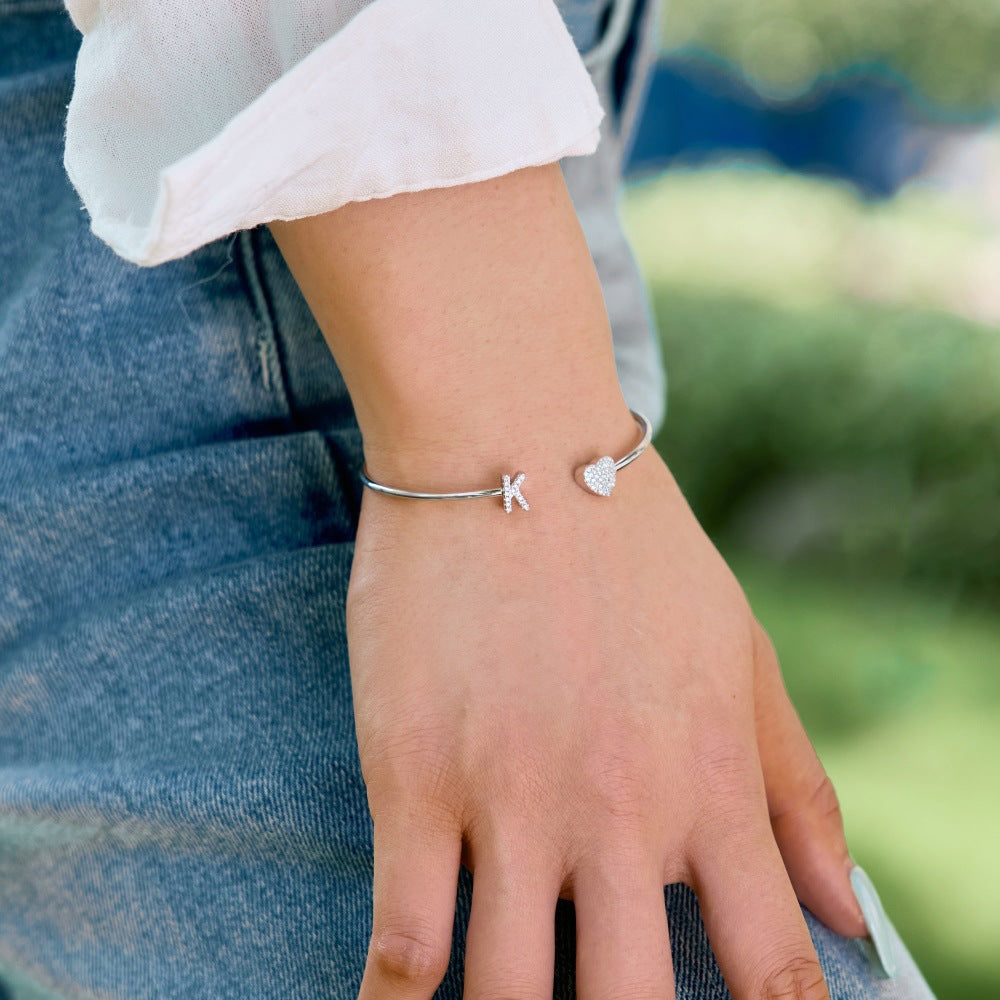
(614, 34)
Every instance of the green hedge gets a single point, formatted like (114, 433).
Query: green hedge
(860, 435)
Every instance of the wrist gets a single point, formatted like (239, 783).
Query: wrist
(545, 440)
(470, 328)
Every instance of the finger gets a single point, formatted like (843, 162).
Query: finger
(754, 921)
(805, 815)
(510, 942)
(622, 938)
(414, 891)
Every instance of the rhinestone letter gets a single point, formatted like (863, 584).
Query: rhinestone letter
(512, 491)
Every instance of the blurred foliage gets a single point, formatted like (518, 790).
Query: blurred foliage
(901, 696)
(833, 417)
(862, 435)
(805, 423)
(947, 48)
(794, 241)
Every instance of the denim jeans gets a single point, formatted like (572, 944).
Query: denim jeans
(182, 813)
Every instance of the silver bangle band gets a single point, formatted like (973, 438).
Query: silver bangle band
(597, 477)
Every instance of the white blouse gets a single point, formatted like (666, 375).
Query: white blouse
(191, 119)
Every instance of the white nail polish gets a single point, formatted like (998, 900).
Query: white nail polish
(879, 949)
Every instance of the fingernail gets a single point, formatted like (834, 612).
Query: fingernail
(879, 948)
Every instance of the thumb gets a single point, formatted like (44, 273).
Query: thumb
(802, 802)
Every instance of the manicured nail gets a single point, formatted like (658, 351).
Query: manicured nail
(875, 920)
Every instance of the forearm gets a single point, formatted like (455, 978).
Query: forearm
(470, 327)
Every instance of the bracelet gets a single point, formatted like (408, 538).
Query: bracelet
(598, 477)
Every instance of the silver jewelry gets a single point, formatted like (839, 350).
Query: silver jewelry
(598, 477)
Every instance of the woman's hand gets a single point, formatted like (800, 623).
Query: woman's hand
(578, 694)
(577, 701)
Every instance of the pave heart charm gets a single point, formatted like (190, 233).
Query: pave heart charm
(599, 477)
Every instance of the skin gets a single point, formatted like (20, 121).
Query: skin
(572, 701)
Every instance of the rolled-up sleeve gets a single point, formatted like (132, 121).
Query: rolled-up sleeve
(190, 120)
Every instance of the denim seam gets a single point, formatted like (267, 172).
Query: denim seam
(270, 342)
(273, 371)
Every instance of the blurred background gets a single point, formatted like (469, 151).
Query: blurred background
(813, 196)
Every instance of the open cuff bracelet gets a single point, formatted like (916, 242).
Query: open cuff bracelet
(597, 477)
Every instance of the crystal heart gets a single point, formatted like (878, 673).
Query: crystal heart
(600, 476)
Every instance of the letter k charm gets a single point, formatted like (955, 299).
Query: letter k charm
(512, 491)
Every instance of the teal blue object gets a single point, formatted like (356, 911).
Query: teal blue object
(876, 920)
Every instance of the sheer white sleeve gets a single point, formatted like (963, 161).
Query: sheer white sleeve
(192, 119)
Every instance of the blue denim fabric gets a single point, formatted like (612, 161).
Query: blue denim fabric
(182, 813)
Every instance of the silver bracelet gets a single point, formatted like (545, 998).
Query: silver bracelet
(598, 477)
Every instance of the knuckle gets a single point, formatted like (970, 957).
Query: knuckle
(824, 798)
(521, 778)
(410, 954)
(410, 767)
(728, 772)
(729, 789)
(797, 978)
(818, 798)
(619, 784)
